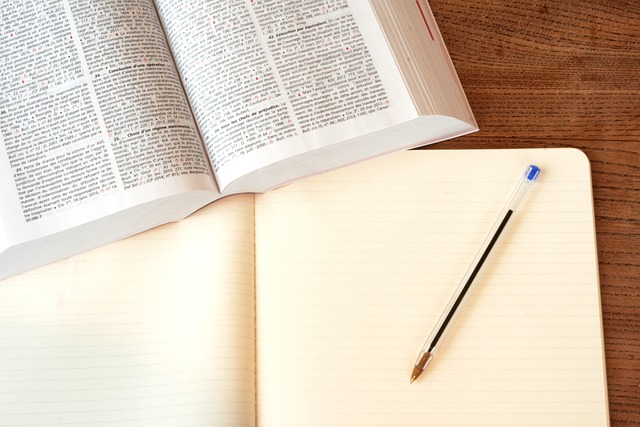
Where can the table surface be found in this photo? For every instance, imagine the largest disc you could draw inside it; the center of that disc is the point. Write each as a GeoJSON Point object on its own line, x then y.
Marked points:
{"type": "Point", "coordinates": [567, 74]}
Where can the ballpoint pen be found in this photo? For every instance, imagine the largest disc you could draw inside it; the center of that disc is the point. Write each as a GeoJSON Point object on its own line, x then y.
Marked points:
{"type": "Point", "coordinates": [434, 340]}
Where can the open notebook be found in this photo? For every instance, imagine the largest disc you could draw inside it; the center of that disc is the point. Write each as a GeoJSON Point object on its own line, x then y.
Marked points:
{"type": "Point", "coordinates": [306, 306]}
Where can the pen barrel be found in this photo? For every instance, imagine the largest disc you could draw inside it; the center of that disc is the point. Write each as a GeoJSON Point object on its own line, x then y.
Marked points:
{"type": "Point", "coordinates": [453, 307]}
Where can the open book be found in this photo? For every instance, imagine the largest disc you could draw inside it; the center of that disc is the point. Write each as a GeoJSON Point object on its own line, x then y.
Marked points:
{"type": "Point", "coordinates": [117, 116]}
{"type": "Point", "coordinates": [307, 305]}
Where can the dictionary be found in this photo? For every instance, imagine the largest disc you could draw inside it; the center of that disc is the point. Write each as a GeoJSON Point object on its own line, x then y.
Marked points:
{"type": "Point", "coordinates": [119, 116]}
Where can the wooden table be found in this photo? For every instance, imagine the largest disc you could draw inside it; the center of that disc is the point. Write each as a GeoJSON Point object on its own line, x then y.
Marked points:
{"type": "Point", "coordinates": [567, 73]}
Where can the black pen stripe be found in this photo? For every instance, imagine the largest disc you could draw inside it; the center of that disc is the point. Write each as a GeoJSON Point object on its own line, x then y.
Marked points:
{"type": "Point", "coordinates": [473, 275]}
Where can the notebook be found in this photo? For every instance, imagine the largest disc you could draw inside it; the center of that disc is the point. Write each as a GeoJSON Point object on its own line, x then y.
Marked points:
{"type": "Point", "coordinates": [307, 306]}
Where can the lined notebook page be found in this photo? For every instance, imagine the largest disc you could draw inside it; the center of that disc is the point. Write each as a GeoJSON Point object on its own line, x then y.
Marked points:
{"type": "Point", "coordinates": [155, 330]}
{"type": "Point", "coordinates": [355, 267]}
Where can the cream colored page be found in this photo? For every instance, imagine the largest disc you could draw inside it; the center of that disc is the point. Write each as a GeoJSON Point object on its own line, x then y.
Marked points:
{"type": "Point", "coordinates": [355, 267]}
{"type": "Point", "coordinates": [155, 330]}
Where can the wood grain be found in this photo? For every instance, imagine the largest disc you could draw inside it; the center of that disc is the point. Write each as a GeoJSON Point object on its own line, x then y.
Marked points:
{"type": "Point", "coordinates": [567, 73]}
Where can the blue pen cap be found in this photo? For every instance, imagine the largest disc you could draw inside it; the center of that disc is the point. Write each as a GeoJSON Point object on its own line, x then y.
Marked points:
{"type": "Point", "coordinates": [532, 173]}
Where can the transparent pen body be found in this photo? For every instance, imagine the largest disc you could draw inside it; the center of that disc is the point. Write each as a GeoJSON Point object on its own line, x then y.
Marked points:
{"type": "Point", "coordinates": [452, 309]}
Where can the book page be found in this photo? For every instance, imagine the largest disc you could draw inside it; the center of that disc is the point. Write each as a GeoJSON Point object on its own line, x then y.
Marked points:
{"type": "Point", "coordinates": [355, 267]}
{"type": "Point", "coordinates": [269, 80]}
{"type": "Point", "coordinates": [94, 119]}
{"type": "Point", "coordinates": [155, 330]}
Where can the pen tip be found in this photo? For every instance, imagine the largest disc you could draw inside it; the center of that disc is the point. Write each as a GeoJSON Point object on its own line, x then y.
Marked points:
{"type": "Point", "coordinates": [415, 374]}
{"type": "Point", "coordinates": [420, 366]}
